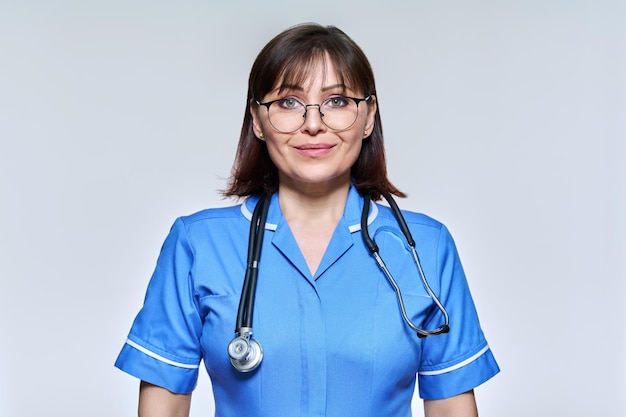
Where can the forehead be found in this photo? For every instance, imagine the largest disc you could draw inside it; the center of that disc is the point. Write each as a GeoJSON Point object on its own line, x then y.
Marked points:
{"type": "Point", "coordinates": [319, 72]}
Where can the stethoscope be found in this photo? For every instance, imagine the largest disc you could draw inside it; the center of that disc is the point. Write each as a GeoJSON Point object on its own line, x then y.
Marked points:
{"type": "Point", "coordinates": [245, 352]}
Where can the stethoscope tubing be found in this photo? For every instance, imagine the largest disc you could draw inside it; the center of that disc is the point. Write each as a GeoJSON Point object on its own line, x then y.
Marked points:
{"type": "Point", "coordinates": [374, 250]}
{"type": "Point", "coordinates": [245, 352]}
{"type": "Point", "coordinates": [255, 243]}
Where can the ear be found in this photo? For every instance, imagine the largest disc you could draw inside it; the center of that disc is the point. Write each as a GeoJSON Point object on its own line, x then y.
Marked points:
{"type": "Point", "coordinates": [257, 126]}
{"type": "Point", "coordinates": [372, 108]}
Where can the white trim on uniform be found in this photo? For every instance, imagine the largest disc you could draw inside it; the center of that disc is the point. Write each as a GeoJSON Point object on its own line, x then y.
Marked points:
{"type": "Point", "coordinates": [159, 357]}
{"type": "Point", "coordinates": [370, 219]}
{"type": "Point", "coordinates": [248, 215]}
{"type": "Point", "coordinates": [458, 365]}
{"type": "Point", "coordinates": [352, 228]}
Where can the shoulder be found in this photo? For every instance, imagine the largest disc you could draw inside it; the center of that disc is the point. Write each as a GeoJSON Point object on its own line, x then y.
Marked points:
{"type": "Point", "coordinates": [412, 218]}
{"type": "Point", "coordinates": [211, 221]}
{"type": "Point", "coordinates": [209, 215]}
{"type": "Point", "coordinates": [425, 230]}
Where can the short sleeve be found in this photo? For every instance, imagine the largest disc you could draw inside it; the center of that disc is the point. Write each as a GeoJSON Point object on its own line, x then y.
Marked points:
{"type": "Point", "coordinates": [163, 346]}
{"type": "Point", "coordinates": [460, 360]}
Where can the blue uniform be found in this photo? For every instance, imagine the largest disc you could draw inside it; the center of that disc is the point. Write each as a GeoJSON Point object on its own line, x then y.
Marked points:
{"type": "Point", "coordinates": [334, 343]}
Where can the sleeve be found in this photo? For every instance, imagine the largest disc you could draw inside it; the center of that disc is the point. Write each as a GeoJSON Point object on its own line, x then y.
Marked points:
{"type": "Point", "coordinates": [163, 346]}
{"type": "Point", "coordinates": [460, 360]}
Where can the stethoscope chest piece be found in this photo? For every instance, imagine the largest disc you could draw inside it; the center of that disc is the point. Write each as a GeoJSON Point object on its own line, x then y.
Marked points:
{"type": "Point", "coordinates": [245, 353]}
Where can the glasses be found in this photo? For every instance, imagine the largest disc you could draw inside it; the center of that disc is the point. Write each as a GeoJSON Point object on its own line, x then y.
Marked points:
{"type": "Point", "coordinates": [288, 114]}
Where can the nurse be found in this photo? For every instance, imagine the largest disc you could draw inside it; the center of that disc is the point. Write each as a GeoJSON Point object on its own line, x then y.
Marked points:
{"type": "Point", "coordinates": [334, 341]}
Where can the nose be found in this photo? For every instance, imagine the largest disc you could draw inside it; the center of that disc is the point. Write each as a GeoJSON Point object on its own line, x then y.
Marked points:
{"type": "Point", "coordinates": [313, 124]}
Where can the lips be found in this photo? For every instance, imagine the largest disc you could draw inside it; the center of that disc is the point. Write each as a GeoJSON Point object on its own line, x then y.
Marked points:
{"type": "Point", "coordinates": [314, 149]}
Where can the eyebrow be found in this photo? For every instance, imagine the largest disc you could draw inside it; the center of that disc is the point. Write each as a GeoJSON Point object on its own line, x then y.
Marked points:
{"type": "Point", "coordinates": [288, 87]}
{"type": "Point", "coordinates": [332, 87]}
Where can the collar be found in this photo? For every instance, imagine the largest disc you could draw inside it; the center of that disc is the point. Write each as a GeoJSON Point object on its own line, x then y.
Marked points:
{"type": "Point", "coordinates": [352, 211]}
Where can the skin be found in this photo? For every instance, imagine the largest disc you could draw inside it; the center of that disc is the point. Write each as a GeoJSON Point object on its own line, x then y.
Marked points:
{"type": "Point", "coordinates": [314, 175]}
{"type": "Point", "coordinates": [462, 405]}
{"type": "Point", "coordinates": [155, 401]}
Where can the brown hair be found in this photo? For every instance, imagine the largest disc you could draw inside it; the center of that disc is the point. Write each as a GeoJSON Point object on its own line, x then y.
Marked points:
{"type": "Point", "coordinates": [288, 58]}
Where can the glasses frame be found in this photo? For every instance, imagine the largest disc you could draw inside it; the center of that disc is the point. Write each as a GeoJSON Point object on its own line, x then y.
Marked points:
{"type": "Point", "coordinates": [356, 100]}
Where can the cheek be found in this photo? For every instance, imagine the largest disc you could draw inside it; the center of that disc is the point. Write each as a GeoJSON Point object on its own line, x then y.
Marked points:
{"type": "Point", "coordinates": [353, 149]}
{"type": "Point", "coordinates": [274, 148]}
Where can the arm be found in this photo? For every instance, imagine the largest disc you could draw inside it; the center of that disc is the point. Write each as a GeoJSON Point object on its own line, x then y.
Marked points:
{"type": "Point", "coordinates": [155, 401]}
{"type": "Point", "coordinates": [462, 405]}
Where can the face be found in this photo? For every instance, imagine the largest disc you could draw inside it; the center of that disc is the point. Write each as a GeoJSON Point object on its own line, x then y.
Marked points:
{"type": "Point", "coordinates": [315, 154]}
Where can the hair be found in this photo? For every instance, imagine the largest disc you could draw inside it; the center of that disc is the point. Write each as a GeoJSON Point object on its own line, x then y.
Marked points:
{"type": "Point", "coordinates": [290, 58]}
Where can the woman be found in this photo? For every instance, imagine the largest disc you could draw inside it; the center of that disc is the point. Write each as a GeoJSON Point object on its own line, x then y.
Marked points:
{"type": "Point", "coordinates": [334, 342]}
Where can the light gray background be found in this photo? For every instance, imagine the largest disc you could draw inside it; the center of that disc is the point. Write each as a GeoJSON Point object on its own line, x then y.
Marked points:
{"type": "Point", "coordinates": [503, 119]}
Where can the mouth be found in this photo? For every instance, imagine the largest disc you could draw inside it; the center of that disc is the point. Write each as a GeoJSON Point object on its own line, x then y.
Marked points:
{"type": "Point", "coordinates": [314, 149]}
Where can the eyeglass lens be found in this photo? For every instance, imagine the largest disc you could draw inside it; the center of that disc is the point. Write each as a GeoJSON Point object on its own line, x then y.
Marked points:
{"type": "Point", "coordinates": [337, 112]}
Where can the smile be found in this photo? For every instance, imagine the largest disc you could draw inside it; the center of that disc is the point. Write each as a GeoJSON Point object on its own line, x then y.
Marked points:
{"type": "Point", "coordinates": [314, 150]}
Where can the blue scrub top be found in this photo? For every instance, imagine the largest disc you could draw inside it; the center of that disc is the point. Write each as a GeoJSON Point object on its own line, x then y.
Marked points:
{"type": "Point", "coordinates": [334, 343]}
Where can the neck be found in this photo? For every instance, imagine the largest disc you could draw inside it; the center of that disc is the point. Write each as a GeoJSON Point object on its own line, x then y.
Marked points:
{"type": "Point", "coordinates": [312, 203]}
{"type": "Point", "coordinates": [313, 212]}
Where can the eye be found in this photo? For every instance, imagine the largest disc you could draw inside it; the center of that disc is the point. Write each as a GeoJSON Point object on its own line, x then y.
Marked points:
{"type": "Point", "coordinates": [289, 103]}
{"type": "Point", "coordinates": [336, 102]}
